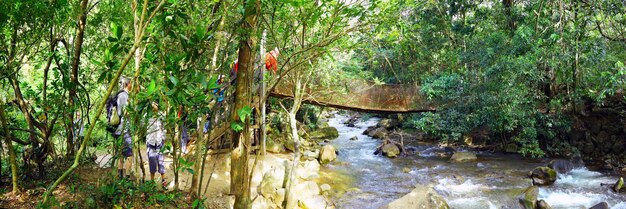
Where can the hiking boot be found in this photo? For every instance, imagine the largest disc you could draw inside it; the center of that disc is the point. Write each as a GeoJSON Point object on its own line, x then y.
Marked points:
{"type": "Point", "coordinates": [164, 184]}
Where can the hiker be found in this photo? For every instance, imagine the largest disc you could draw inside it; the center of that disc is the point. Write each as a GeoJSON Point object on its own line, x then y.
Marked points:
{"type": "Point", "coordinates": [118, 125]}
{"type": "Point", "coordinates": [79, 130]}
{"type": "Point", "coordinates": [270, 64]}
{"type": "Point", "coordinates": [155, 140]}
{"type": "Point", "coordinates": [270, 60]}
{"type": "Point", "coordinates": [184, 139]}
{"type": "Point", "coordinates": [233, 73]}
{"type": "Point", "coordinates": [218, 95]}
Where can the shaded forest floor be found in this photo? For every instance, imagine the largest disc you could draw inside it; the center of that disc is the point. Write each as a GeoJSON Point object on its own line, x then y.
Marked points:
{"type": "Point", "coordinates": [90, 187]}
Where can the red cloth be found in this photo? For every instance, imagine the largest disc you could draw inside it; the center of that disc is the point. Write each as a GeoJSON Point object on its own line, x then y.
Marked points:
{"type": "Point", "coordinates": [270, 62]}
{"type": "Point", "coordinates": [236, 67]}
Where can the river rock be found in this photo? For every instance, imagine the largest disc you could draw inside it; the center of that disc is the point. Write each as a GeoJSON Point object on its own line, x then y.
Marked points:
{"type": "Point", "coordinates": [420, 197]}
{"type": "Point", "coordinates": [309, 155]}
{"type": "Point", "coordinates": [542, 204]}
{"type": "Point", "coordinates": [391, 150]}
{"type": "Point", "coordinates": [619, 185]}
{"type": "Point", "coordinates": [463, 157]}
{"type": "Point", "coordinates": [388, 123]}
{"type": "Point", "coordinates": [354, 138]}
{"type": "Point", "coordinates": [271, 182]}
{"type": "Point", "coordinates": [324, 133]}
{"type": "Point", "coordinates": [327, 154]}
{"type": "Point", "coordinates": [528, 199]}
{"type": "Point", "coordinates": [309, 170]}
{"type": "Point", "coordinates": [352, 120]}
{"type": "Point", "coordinates": [368, 130]}
{"type": "Point", "coordinates": [543, 176]}
{"type": "Point", "coordinates": [602, 205]}
{"type": "Point", "coordinates": [314, 202]}
{"type": "Point", "coordinates": [306, 189]}
{"type": "Point", "coordinates": [378, 133]}
{"type": "Point", "coordinates": [325, 187]}
{"type": "Point", "coordinates": [312, 165]}
{"type": "Point", "coordinates": [276, 148]}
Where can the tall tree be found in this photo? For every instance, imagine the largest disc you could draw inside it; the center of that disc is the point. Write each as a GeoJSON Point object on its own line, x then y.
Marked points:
{"type": "Point", "coordinates": [240, 180]}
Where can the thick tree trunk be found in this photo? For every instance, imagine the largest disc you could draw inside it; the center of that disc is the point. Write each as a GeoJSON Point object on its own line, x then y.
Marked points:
{"type": "Point", "coordinates": [240, 181]}
{"type": "Point", "coordinates": [10, 150]}
{"type": "Point", "coordinates": [78, 45]}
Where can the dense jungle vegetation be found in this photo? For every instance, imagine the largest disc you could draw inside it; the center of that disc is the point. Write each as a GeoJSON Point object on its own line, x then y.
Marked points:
{"type": "Point", "coordinates": [516, 70]}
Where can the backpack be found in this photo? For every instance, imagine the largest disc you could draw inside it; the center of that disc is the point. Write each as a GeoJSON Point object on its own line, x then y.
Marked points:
{"type": "Point", "coordinates": [113, 118]}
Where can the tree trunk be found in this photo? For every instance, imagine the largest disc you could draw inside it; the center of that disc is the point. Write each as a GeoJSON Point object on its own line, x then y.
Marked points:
{"type": "Point", "coordinates": [290, 201]}
{"type": "Point", "coordinates": [10, 150]}
{"type": "Point", "coordinates": [240, 184]}
{"type": "Point", "coordinates": [78, 45]}
{"type": "Point", "coordinates": [200, 147]}
{"type": "Point", "coordinates": [262, 93]}
{"type": "Point", "coordinates": [140, 130]}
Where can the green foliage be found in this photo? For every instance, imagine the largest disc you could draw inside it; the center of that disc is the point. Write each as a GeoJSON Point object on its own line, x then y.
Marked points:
{"type": "Point", "coordinates": [130, 194]}
{"type": "Point", "coordinates": [243, 114]}
{"type": "Point", "coordinates": [185, 165]}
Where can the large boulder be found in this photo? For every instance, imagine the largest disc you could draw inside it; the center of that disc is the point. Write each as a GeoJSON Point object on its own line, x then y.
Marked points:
{"type": "Point", "coordinates": [420, 197]}
{"type": "Point", "coordinates": [528, 199]}
{"type": "Point", "coordinates": [543, 176]}
{"type": "Point", "coordinates": [306, 189]}
{"type": "Point", "coordinates": [368, 130]}
{"type": "Point", "coordinates": [390, 150]}
{"type": "Point", "coordinates": [270, 184]}
{"type": "Point", "coordinates": [327, 154]}
{"type": "Point", "coordinates": [378, 133]}
{"type": "Point", "coordinates": [309, 155]}
{"type": "Point", "coordinates": [602, 205]}
{"type": "Point", "coordinates": [388, 123]}
{"type": "Point", "coordinates": [324, 133]}
{"type": "Point", "coordinates": [309, 170]}
{"type": "Point", "coordinates": [290, 145]}
{"type": "Point", "coordinates": [463, 157]}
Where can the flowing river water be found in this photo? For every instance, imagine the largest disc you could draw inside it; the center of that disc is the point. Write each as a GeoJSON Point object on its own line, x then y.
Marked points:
{"type": "Point", "coordinates": [363, 180]}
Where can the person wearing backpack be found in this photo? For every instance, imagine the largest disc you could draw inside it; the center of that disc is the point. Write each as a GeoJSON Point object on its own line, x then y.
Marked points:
{"type": "Point", "coordinates": [155, 140]}
{"type": "Point", "coordinates": [118, 126]}
{"type": "Point", "coordinates": [184, 139]}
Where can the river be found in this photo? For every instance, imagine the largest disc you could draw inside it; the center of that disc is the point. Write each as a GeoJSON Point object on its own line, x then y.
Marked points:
{"type": "Point", "coordinates": [363, 180]}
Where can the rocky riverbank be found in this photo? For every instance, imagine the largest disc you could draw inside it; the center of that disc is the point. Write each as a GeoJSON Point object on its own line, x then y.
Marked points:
{"type": "Point", "coordinates": [394, 141]}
